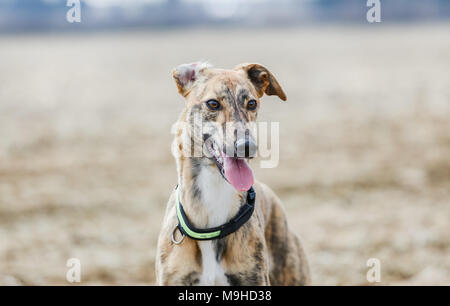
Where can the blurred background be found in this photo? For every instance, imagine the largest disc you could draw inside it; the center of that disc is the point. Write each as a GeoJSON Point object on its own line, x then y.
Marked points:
{"type": "Point", "coordinates": [86, 110]}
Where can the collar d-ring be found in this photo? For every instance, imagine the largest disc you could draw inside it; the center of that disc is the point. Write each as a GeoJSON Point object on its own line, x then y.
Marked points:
{"type": "Point", "coordinates": [173, 236]}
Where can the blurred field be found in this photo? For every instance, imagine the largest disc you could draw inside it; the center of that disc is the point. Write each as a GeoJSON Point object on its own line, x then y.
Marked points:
{"type": "Point", "coordinates": [86, 168]}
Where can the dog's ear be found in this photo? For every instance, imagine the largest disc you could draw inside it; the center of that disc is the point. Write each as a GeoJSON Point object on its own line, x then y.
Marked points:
{"type": "Point", "coordinates": [185, 75]}
{"type": "Point", "coordinates": [262, 79]}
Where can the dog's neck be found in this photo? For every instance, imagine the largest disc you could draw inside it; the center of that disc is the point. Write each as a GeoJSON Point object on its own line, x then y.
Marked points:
{"type": "Point", "coordinates": [207, 198]}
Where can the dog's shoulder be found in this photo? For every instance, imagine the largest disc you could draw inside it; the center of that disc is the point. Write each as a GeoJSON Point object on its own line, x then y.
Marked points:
{"type": "Point", "coordinates": [267, 193]}
{"type": "Point", "coordinates": [289, 265]}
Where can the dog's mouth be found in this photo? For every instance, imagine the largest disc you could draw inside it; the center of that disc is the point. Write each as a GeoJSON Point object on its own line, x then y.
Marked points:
{"type": "Point", "coordinates": [234, 169]}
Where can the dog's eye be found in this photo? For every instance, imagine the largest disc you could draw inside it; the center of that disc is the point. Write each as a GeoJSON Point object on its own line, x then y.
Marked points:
{"type": "Point", "coordinates": [252, 104]}
{"type": "Point", "coordinates": [213, 104]}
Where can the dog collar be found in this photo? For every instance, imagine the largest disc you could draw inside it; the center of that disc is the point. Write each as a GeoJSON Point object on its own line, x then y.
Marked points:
{"type": "Point", "coordinates": [244, 214]}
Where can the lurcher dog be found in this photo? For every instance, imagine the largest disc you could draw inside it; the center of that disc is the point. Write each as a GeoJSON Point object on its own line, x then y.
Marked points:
{"type": "Point", "coordinates": [214, 231]}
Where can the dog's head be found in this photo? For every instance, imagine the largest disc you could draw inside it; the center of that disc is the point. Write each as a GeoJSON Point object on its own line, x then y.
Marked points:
{"type": "Point", "coordinates": [221, 110]}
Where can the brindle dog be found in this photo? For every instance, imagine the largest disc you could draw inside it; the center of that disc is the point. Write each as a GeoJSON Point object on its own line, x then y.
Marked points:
{"type": "Point", "coordinates": [213, 185]}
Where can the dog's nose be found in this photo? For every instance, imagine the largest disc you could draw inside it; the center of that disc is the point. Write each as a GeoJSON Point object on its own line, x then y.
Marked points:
{"type": "Point", "coordinates": [246, 148]}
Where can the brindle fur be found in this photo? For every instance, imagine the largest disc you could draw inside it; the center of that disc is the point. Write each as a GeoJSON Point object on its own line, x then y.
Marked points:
{"type": "Point", "coordinates": [263, 251]}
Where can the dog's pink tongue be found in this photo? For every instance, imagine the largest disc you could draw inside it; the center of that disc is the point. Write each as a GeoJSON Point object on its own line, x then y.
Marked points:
{"type": "Point", "coordinates": [238, 173]}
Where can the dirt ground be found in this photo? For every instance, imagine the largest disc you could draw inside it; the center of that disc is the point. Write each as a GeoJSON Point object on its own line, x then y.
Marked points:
{"type": "Point", "coordinates": [364, 171]}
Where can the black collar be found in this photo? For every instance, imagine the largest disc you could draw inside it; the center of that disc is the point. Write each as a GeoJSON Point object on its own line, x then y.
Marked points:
{"type": "Point", "coordinates": [244, 214]}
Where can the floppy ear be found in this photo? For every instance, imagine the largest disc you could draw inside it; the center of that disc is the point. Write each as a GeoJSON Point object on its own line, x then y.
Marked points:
{"type": "Point", "coordinates": [263, 80]}
{"type": "Point", "coordinates": [185, 75]}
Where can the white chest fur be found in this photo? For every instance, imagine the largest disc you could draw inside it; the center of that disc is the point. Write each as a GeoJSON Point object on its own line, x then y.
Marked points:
{"type": "Point", "coordinates": [218, 197]}
{"type": "Point", "coordinates": [212, 271]}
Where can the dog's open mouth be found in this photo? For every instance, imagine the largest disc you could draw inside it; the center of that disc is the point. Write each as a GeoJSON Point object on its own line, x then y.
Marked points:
{"type": "Point", "coordinates": [234, 169]}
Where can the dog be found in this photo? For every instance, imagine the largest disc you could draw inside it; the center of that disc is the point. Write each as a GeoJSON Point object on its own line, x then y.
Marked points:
{"type": "Point", "coordinates": [221, 227]}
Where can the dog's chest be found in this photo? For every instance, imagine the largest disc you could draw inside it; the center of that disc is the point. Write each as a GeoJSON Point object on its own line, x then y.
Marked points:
{"type": "Point", "coordinates": [218, 197]}
{"type": "Point", "coordinates": [212, 271]}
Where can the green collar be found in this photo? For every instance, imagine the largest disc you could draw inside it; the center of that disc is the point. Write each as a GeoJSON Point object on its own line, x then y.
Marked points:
{"type": "Point", "coordinates": [244, 214]}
